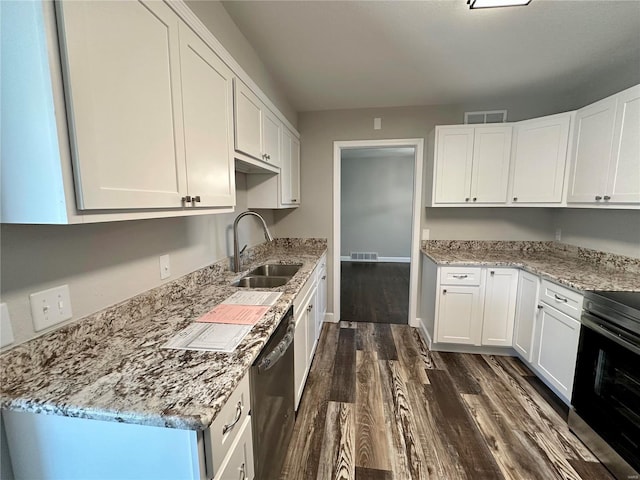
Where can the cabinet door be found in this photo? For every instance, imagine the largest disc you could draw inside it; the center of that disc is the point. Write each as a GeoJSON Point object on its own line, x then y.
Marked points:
{"type": "Point", "coordinates": [593, 139]}
{"type": "Point", "coordinates": [271, 138]}
{"type": "Point", "coordinates": [121, 66]}
{"type": "Point", "coordinates": [311, 312]}
{"type": "Point", "coordinates": [501, 290]}
{"type": "Point", "coordinates": [290, 170]}
{"type": "Point", "coordinates": [490, 171]}
{"type": "Point", "coordinates": [239, 463]}
{"type": "Point", "coordinates": [248, 121]}
{"type": "Point", "coordinates": [207, 98]}
{"type": "Point", "coordinates": [526, 315]}
{"type": "Point", "coordinates": [454, 155]}
{"type": "Point", "coordinates": [557, 349]}
{"type": "Point", "coordinates": [540, 158]}
{"type": "Point", "coordinates": [300, 353]}
{"type": "Point", "coordinates": [322, 299]}
{"type": "Point", "coordinates": [623, 179]}
{"type": "Point", "coordinates": [459, 315]}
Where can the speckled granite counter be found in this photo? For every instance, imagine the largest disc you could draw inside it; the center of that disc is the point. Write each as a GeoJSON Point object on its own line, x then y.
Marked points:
{"type": "Point", "coordinates": [578, 268]}
{"type": "Point", "coordinates": [110, 365]}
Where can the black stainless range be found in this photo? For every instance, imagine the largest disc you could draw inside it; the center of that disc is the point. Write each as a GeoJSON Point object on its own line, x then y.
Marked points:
{"type": "Point", "coordinates": [606, 392]}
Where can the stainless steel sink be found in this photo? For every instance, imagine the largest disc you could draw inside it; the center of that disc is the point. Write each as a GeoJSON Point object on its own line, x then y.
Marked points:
{"type": "Point", "coordinates": [276, 270]}
{"type": "Point", "coordinates": [261, 281]}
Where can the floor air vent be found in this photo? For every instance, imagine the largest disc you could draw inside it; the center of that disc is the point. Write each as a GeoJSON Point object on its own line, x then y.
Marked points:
{"type": "Point", "coordinates": [364, 256]}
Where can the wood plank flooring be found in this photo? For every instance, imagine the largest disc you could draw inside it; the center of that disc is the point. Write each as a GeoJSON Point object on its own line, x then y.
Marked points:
{"type": "Point", "coordinates": [374, 292]}
{"type": "Point", "coordinates": [379, 405]}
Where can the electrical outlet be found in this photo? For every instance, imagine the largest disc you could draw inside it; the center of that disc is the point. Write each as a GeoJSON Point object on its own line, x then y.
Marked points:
{"type": "Point", "coordinates": [6, 331]}
{"type": "Point", "coordinates": [377, 123]}
{"type": "Point", "coordinates": [165, 267]}
{"type": "Point", "coordinates": [425, 234]}
{"type": "Point", "coordinates": [558, 234]}
{"type": "Point", "coordinates": [50, 307]}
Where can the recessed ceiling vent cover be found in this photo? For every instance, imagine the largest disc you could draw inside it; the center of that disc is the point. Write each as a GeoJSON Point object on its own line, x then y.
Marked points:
{"type": "Point", "coordinates": [488, 116]}
{"type": "Point", "coordinates": [364, 256]}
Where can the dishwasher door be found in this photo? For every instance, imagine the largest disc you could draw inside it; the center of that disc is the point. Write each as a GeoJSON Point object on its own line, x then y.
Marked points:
{"type": "Point", "coordinates": [272, 401]}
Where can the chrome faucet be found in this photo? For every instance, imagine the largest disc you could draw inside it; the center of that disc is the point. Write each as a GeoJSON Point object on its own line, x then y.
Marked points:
{"type": "Point", "coordinates": [236, 250]}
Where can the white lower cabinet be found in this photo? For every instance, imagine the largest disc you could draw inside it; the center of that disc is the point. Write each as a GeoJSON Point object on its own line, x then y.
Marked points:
{"type": "Point", "coordinates": [557, 339]}
{"type": "Point", "coordinates": [501, 290]}
{"type": "Point", "coordinates": [526, 315]}
{"type": "Point", "coordinates": [301, 361]}
{"type": "Point", "coordinates": [54, 446]}
{"type": "Point", "coordinates": [476, 306]}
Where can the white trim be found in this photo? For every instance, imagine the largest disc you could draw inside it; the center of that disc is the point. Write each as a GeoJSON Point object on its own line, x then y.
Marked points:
{"type": "Point", "coordinates": [347, 258]}
{"type": "Point", "coordinates": [422, 329]}
{"type": "Point", "coordinates": [328, 317]}
{"type": "Point", "coordinates": [192, 20]}
{"type": "Point", "coordinates": [418, 144]}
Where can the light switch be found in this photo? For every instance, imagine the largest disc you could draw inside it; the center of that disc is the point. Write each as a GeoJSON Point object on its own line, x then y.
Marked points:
{"type": "Point", "coordinates": [165, 267]}
{"type": "Point", "coordinates": [6, 331]}
{"type": "Point", "coordinates": [377, 123]}
{"type": "Point", "coordinates": [425, 234]}
{"type": "Point", "coordinates": [558, 234]}
{"type": "Point", "coordinates": [50, 307]}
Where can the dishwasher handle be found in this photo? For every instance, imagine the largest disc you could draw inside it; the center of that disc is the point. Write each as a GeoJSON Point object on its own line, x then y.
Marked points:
{"type": "Point", "coordinates": [279, 350]}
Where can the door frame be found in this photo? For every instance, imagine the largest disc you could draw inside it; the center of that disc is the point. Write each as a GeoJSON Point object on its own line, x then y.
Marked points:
{"type": "Point", "coordinates": [414, 277]}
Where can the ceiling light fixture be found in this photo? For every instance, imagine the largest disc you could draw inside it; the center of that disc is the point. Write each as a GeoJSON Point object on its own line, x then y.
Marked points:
{"type": "Point", "coordinates": [496, 3]}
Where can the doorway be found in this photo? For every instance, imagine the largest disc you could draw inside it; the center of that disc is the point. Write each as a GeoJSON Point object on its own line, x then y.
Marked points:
{"type": "Point", "coordinates": [376, 241]}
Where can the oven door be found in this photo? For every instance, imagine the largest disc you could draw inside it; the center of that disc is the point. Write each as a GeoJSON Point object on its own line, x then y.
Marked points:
{"type": "Point", "coordinates": [606, 392]}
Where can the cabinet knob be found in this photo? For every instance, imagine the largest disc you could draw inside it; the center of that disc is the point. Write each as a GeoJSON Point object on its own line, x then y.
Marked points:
{"type": "Point", "coordinates": [294, 200]}
{"type": "Point", "coordinates": [196, 199]}
{"type": "Point", "coordinates": [324, 277]}
{"type": "Point", "coordinates": [475, 198]}
{"type": "Point", "coordinates": [539, 307]}
{"type": "Point", "coordinates": [268, 157]}
{"type": "Point", "coordinates": [515, 199]}
{"type": "Point", "coordinates": [309, 308]}
{"type": "Point", "coordinates": [598, 197]}
{"type": "Point", "coordinates": [444, 291]}
{"type": "Point", "coordinates": [607, 197]}
{"type": "Point", "coordinates": [186, 199]}
{"type": "Point", "coordinates": [492, 272]}
{"type": "Point", "coordinates": [466, 199]}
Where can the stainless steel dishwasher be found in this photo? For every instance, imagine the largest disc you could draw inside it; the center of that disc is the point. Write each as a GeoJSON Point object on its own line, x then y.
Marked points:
{"type": "Point", "coordinates": [272, 401]}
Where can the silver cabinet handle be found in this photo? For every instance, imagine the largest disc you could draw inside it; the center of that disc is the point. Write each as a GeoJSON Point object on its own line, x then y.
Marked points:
{"type": "Point", "coordinates": [460, 277]}
{"type": "Point", "coordinates": [294, 200]}
{"type": "Point", "coordinates": [598, 197]}
{"type": "Point", "coordinates": [559, 298]}
{"type": "Point", "coordinates": [230, 426]}
{"type": "Point", "coordinates": [540, 307]}
{"type": "Point", "coordinates": [243, 473]}
{"type": "Point", "coordinates": [607, 197]}
{"type": "Point", "coordinates": [324, 277]}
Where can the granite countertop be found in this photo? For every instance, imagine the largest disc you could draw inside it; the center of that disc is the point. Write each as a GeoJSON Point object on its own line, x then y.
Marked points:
{"type": "Point", "coordinates": [110, 365]}
{"type": "Point", "coordinates": [578, 268]}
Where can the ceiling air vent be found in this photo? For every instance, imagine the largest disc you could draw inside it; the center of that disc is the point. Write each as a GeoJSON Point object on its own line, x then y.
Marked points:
{"type": "Point", "coordinates": [488, 116]}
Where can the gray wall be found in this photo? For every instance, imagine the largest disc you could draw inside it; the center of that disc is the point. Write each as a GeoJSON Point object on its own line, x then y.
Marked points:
{"type": "Point", "coordinates": [213, 14]}
{"type": "Point", "coordinates": [376, 205]}
{"type": "Point", "coordinates": [106, 263]}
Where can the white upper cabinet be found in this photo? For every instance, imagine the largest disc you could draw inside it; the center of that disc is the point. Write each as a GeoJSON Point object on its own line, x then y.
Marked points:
{"type": "Point", "coordinates": [258, 131]}
{"type": "Point", "coordinates": [471, 164]}
{"type": "Point", "coordinates": [623, 178]}
{"type": "Point", "coordinates": [207, 98]}
{"type": "Point", "coordinates": [121, 65]}
{"type": "Point", "coordinates": [290, 174]}
{"type": "Point", "coordinates": [539, 159]}
{"type": "Point", "coordinates": [605, 167]}
{"type": "Point", "coordinates": [453, 164]}
{"type": "Point", "coordinates": [490, 172]}
{"type": "Point", "coordinates": [248, 121]}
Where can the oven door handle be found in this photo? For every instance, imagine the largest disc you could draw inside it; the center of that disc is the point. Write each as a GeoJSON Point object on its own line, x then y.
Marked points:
{"type": "Point", "coordinates": [592, 322]}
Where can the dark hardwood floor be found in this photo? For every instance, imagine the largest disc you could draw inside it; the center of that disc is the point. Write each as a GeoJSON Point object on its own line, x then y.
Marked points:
{"type": "Point", "coordinates": [379, 405]}
{"type": "Point", "coordinates": [374, 292]}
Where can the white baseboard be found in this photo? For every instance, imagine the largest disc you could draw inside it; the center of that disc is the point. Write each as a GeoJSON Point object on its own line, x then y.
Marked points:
{"type": "Point", "coordinates": [347, 258]}
{"type": "Point", "coordinates": [425, 333]}
{"type": "Point", "coordinates": [328, 317]}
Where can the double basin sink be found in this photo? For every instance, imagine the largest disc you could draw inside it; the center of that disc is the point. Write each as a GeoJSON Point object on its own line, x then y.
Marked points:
{"type": "Point", "coordinates": [268, 276]}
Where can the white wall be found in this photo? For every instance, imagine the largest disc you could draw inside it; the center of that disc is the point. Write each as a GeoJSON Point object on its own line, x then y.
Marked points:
{"type": "Point", "coordinates": [377, 204]}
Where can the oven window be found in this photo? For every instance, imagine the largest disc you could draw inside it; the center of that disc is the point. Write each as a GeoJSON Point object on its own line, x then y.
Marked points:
{"type": "Point", "coordinates": [607, 393]}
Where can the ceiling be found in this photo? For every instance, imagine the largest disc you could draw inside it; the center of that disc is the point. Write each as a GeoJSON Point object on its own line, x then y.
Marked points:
{"type": "Point", "coordinates": [356, 54]}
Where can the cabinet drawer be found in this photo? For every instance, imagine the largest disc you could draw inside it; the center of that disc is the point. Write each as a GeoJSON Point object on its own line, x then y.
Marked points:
{"type": "Point", "coordinates": [239, 462]}
{"type": "Point", "coordinates": [561, 298]}
{"type": "Point", "coordinates": [460, 275]}
{"type": "Point", "coordinates": [226, 427]}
